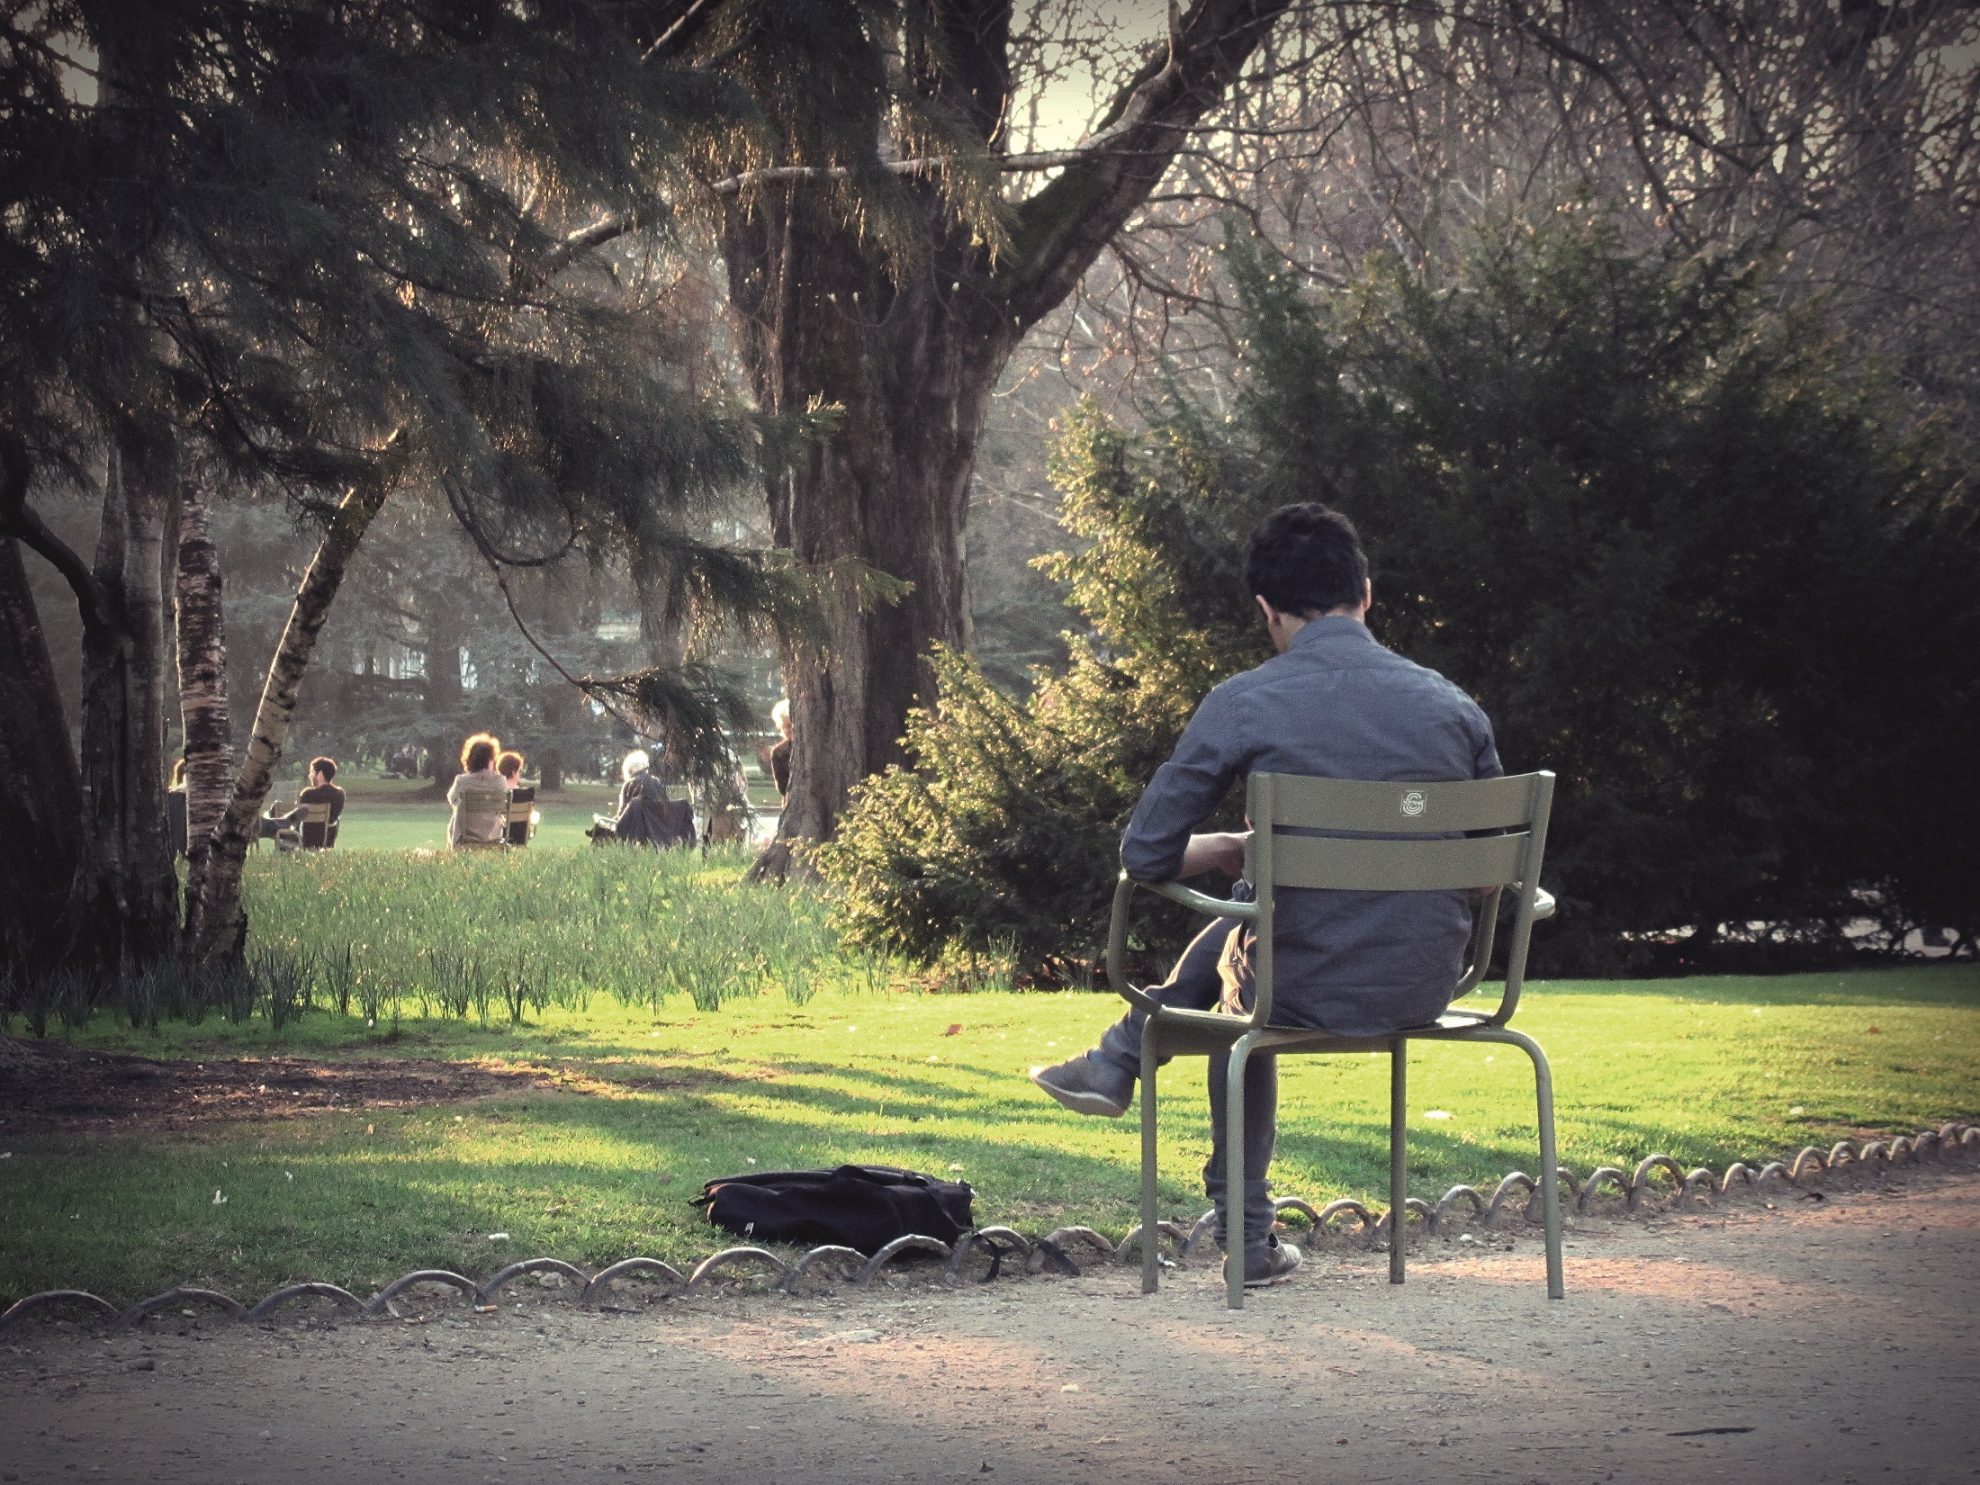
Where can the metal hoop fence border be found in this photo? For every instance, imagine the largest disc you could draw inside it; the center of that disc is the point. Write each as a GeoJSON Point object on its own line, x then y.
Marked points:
{"type": "Point", "coordinates": [1634, 1191]}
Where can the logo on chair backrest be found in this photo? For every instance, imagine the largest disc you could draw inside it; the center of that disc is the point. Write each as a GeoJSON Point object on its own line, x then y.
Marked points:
{"type": "Point", "coordinates": [1414, 802]}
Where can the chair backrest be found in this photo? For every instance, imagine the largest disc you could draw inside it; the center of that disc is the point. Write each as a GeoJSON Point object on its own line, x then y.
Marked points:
{"type": "Point", "coordinates": [1483, 835]}
{"type": "Point", "coordinates": [316, 831]}
{"type": "Point", "coordinates": [522, 816]}
{"type": "Point", "coordinates": [484, 820]}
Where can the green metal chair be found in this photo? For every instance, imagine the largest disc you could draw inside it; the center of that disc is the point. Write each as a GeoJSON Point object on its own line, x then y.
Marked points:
{"type": "Point", "coordinates": [1386, 837]}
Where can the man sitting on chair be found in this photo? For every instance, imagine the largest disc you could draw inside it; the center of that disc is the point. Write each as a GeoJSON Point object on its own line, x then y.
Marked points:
{"type": "Point", "coordinates": [321, 790]}
{"type": "Point", "coordinates": [1333, 703]}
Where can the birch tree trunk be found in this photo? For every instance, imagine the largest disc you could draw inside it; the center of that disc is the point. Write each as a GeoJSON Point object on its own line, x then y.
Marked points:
{"type": "Point", "coordinates": [218, 926]}
{"type": "Point", "coordinates": [203, 715]}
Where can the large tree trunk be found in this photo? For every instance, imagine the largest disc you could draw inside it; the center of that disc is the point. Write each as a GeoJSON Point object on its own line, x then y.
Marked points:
{"type": "Point", "coordinates": [126, 892]}
{"type": "Point", "coordinates": [912, 366]}
{"type": "Point", "coordinates": [221, 924]}
{"type": "Point", "coordinates": [42, 803]}
{"type": "Point", "coordinates": [910, 344]}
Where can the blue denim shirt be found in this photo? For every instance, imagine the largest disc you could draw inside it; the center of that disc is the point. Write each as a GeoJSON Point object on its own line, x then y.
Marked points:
{"type": "Point", "coordinates": [1338, 705]}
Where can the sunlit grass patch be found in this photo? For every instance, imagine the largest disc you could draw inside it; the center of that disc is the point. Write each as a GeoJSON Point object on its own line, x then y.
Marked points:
{"type": "Point", "coordinates": [654, 1100]}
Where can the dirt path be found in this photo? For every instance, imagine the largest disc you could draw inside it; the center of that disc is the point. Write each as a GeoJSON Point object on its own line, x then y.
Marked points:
{"type": "Point", "coordinates": [1817, 1342]}
{"type": "Point", "coordinates": [60, 1089]}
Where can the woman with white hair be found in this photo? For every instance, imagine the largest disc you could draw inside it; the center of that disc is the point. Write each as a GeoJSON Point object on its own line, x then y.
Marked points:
{"type": "Point", "coordinates": [646, 816]}
{"type": "Point", "coordinates": [780, 755]}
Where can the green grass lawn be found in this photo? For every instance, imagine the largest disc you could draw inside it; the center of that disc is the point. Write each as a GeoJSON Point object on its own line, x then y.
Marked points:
{"type": "Point", "coordinates": [659, 1097]}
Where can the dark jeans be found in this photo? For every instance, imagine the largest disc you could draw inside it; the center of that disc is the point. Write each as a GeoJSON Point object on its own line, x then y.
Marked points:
{"type": "Point", "coordinates": [1193, 984]}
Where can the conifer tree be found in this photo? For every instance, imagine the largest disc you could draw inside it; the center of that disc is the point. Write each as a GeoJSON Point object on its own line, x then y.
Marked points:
{"type": "Point", "coordinates": [878, 263]}
{"type": "Point", "coordinates": [1678, 555]}
{"type": "Point", "coordinates": [314, 249]}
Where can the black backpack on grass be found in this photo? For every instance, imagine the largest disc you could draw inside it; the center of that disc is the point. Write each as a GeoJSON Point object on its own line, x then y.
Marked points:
{"type": "Point", "coordinates": [856, 1206]}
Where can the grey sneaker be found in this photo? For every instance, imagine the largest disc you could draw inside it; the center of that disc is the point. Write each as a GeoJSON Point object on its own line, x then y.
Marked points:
{"type": "Point", "coordinates": [1271, 1264]}
{"type": "Point", "coordinates": [1088, 1084]}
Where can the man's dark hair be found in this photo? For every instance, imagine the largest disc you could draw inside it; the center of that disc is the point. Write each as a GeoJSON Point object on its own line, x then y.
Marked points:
{"type": "Point", "coordinates": [325, 766]}
{"type": "Point", "coordinates": [1306, 559]}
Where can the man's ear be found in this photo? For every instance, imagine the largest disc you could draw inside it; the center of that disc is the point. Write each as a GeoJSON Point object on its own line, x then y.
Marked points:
{"type": "Point", "coordinates": [1271, 614]}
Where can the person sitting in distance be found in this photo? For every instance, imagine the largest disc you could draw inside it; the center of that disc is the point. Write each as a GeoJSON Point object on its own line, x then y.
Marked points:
{"type": "Point", "coordinates": [479, 796]}
{"type": "Point", "coordinates": [321, 790]}
{"type": "Point", "coordinates": [1331, 702]}
{"type": "Point", "coordinates": [510, 767]}
{"type": "Point", "coordinates": [645, 816]}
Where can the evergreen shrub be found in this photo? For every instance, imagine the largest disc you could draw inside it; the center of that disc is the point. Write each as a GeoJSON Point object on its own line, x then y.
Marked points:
{"type": "Point", "coordinates": [1677, 546]}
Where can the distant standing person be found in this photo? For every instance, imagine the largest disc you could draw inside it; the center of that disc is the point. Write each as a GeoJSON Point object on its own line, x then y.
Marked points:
{"type": "Point", "coordinates": [780, 755]}
{"type": "Point", "coordinates": [479, 795]}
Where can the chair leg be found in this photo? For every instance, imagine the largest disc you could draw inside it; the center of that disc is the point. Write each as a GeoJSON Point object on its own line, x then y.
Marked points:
{"type": "Point", "coordinates": [1398, 1155]}
{"type": "Point", "coordinates": [1550, 1196]}
{"type": "Point", "coordinates": [1234, 1239]}
{"type": "Point", "coordinates": [1150, 1242]}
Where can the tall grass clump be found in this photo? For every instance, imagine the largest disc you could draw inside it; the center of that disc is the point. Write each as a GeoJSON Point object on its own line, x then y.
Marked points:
{"type": "Point", "coordinates": [502, 934]}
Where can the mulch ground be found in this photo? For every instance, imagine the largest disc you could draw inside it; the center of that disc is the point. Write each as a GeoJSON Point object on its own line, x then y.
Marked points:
{"type": "Point", "coordinates": [59, 1089]}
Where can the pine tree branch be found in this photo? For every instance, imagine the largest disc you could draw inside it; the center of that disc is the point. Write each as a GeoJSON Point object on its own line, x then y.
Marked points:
{"type": "Point", "coordinates": [19, 520]}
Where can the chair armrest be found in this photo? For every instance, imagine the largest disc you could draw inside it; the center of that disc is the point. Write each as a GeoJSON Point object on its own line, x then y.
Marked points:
{"type": "Point", "coordinates": [1117, 927]}
{"type": "Point", "coordinates": [1201, 902]}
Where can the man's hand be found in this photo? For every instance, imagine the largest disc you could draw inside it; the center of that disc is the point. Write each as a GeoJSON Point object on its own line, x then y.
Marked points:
{"type": "Point", "coordinates": [1223, 851]}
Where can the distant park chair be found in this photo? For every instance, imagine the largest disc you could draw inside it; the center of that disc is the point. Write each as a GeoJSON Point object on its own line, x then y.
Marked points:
{"type": "Point", "coordinates": [484, 822]}
{"type": "Point", "coordinates": [315, 830]}
{"type": "Point", "coordinates": [1352, 835]}
{"type": "Point", "coordinates": [309, 828]}
{"type": "Point", "coordinates": [522, 816]}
